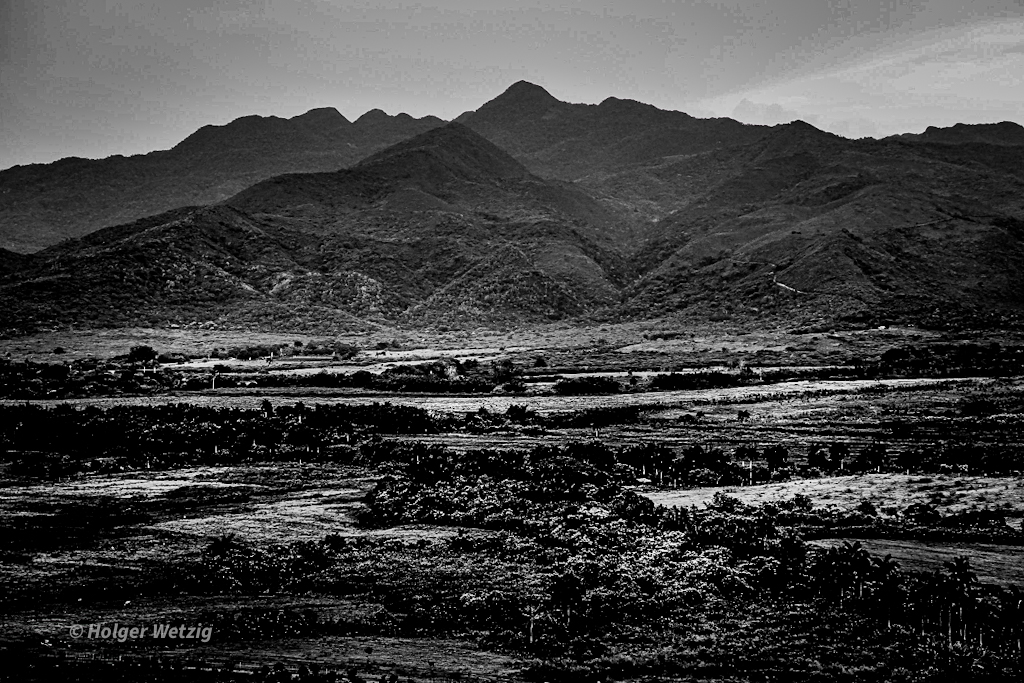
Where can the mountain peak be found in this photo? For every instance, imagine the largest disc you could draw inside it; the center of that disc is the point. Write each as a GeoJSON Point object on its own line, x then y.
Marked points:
{"type": "Point", "coordinates": [800, 129]}
{"type": "Point", "coordinates": [796, 137]}
{"type": "Point", "coordinates": [521, 100]}
{"type": "Point", "coordinates": [800, 124]}
{"type": "Point", "coordinates": [452, 149]}
{"type": "Point", "coordinates": [321, 116]}
{"type": "Point", "coordinates": [526, 90]}
{"type": "Point", "coordinates": [373, 116]}
{"type": "Point", "coordinates": [619, 103]}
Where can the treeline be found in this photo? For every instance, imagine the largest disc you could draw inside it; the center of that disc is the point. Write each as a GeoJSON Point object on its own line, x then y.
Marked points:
{"type": "Point", "coordinates": [937, 361]}
{"type": "Point", "coordinates": [450, 377]}
{"type": "Point", "coordinates": [137, 373]}
{"type": "Point", "coordinates": [64, 440]}
{"type": "Point", "coordinates": [60, 441]}
{"type": "Point", "coordinates": [140, 375]}
{"type": "Point", "coordinates": [950, 608]}
{"type": "Point", "coordinates": [586, 529]}
{"type": "Point", "coordinates": [518, 481]}
{"type": "Point", "coordinates": [89, 377]}
{"type": "Point", "coordinates": [951, 360]}
{"type": "Point", "coordinates": [323, 347]}
{"type": "Point", "coordinates": [144, 353]}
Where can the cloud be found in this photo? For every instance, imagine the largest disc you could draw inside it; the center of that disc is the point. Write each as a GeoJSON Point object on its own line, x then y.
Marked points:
{"type": "Point", "coordinates": [853, 128]}
{"type": "Point", "coordinates": [972, 74]}
{"type": "Point", "coordinates": [767, 114]}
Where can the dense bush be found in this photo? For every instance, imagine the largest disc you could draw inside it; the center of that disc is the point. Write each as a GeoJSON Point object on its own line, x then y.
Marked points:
{"type": "Point", "coordinates": [577, 386]}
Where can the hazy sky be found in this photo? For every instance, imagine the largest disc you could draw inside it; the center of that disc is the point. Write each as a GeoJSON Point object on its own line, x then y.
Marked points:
{"type": "Point", "coordinates": [98, 77]}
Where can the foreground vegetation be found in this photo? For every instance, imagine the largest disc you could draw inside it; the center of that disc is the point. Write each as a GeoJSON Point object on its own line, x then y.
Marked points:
{"type": "Point", "coordinates": [551, 554]}
{"type": "Point", "coordinates": [561, 537]}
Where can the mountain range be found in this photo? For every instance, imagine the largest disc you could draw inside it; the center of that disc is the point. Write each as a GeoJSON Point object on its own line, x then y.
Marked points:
{"type": "Point", "coordinates": [532, 209]}
{"type": "Point", "coordinates": [42, 204]}
{"type": "Point", "coordinates": [445, 227]}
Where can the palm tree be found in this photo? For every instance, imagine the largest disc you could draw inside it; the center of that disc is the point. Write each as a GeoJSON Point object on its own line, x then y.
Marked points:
{"type": "Point", "coordinates": [222, 545]}
{"type": "Point", "coordinates": [886, 573]}
{"type": "Point", "coordinates": [962, 582]}
{"type": "Point", "coordinates": [1013, 616]}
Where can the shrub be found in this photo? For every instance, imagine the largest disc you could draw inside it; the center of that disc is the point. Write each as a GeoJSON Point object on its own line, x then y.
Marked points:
{"type": "Point", "coordinates": [578, 386]}
{"type": "Point", "coordinates": [142, 354]}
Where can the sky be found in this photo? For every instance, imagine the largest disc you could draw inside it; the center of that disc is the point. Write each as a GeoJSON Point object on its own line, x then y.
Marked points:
{"type": "Point", "coordinates": [93, 78]}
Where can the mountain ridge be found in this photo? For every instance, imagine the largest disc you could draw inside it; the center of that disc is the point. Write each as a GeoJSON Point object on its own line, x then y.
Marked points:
{"type": "Point", "coordinates": [41, 204]}
{"type": "Point", "coordinates": [341, 250]}
{"type": "Point", "coordinates": [532, 209]}
{"type": "Point", "coordinates": [1002, 133]}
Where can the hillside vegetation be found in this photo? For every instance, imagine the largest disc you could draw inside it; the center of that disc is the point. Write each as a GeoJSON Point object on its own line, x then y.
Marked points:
{"type": "Point", "coordinates": [531, 210]}
{"type": "Point", "coordinates": [42, 204]}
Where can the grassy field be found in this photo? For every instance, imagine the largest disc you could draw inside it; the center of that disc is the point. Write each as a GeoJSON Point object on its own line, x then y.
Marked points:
{"type": "Point", "coordinates": [993, 563]}
{"type": "Point", "coordinates": [659, 343]}
{"type": "Point", "coordinates": [886, 491]}
{"type": "Point", "coordinates": [276, 504]}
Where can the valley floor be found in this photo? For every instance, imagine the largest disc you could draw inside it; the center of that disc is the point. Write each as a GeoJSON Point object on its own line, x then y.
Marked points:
{"type": "Point", "coordinates": [126, 546]}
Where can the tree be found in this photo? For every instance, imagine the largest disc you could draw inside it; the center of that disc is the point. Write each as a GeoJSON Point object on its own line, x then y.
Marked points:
{"type": "Point", "coordinates": [504, 371]}
{"type": "Point", "coordinates": [142, 354]}
{"type": "Point", "coordinates": [888, 581]}
{"type": "Point", "coordinates": [745, 452]}
{"type": "Point", "coordinates": [776, 456]}
{"type": "Point", "coordinates": [872, 456]}
{"type": "Point", "coordinates": [838, 454]}
{"type": "Point", "coordinates": [817, 458]}
{"type": "Point", "coordinates": [866, 507]}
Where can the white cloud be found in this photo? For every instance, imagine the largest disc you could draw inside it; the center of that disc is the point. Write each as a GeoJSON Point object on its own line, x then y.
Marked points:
{"type": "Point", "coordinates": [768, 114]}
{"type": "Point", "coordinates": [971, 75]}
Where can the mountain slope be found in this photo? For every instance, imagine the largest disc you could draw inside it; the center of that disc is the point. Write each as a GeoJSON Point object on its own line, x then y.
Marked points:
{"type": "Point", "coordinates": [42, 204]}
{"type": "Point", "coordinates": [807, 224]}
{"type": "Point", "coordinates": [445, 228]}
{"type": "Point", "coordinates": [11, 261]}
{"type": "Point", "coordinates": [644, 213]}
{"type": "Point", "coordinates": [1004, 133]}
{"type": "Point", "coordinates": [619, 151]}
{"type": "Point", "coordinates": [576, 141]}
